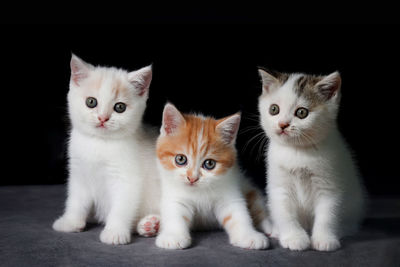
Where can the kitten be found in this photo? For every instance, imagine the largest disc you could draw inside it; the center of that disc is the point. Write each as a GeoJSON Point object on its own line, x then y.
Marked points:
{"type": "Point", "coordinates": [313, 183]}
{"type": "Point", "coordinates": [110, 152]}
{"type": "Point", "coordinates": [202, 186]}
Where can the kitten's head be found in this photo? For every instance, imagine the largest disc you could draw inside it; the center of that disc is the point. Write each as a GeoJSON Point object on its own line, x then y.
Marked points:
{"type": "Point", "coordinates": [299, 109]}
{"type": "Point", "coordinates": [107, 102]}
{"type": "Point", "coordinates": [195, 150]}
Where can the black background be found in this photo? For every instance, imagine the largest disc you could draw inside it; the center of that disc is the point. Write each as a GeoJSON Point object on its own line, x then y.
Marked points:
{"type": "Point", "coordinates": [210, 69]}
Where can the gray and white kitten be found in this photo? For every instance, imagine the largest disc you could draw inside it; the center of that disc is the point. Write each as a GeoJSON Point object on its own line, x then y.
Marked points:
{"type": "Point", "coordinates": [315, 196]}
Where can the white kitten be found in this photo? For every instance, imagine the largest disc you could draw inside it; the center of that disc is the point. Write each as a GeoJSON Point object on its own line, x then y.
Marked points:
{"type": "Point", "coordinates": [313, 184]}
{"type": "Point", "coordinates": [110, 152]}
{"type": "Point", "coordinates": [202, 186]}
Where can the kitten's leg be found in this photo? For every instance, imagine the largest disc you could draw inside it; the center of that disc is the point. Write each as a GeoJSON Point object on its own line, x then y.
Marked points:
{"type": "Point", "coordinates": [233, 215]}
{"type": "Point", "coordinates": [125, 202]}
{"type": "Point", "coordinates": [284, 215]}
{"type": "Point", "coordinates": [77, 208]}
{"type": "Point", "coordinates": [149, 225]}
{"type": "Point", "coordinates": [175, 227]}
{"type": "Point", "coordinates": [324, 237]}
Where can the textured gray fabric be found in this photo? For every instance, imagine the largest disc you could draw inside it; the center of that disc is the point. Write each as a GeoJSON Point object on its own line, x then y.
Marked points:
{"type": "Point", "coordinates": [27, 239]}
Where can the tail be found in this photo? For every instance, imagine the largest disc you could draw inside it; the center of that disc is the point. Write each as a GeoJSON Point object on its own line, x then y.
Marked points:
{"type": "Point", "coordinates": [256, 205]}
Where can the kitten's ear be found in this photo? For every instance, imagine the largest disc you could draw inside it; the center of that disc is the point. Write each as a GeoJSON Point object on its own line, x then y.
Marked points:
{"type": "Point", "coordinates": [268, 81]}
{"type": "Point", "coordinates": [329, 85]}
{"type": "Point", "coordinates": [172, 120]}
{"type": "Point", "coordinates": [79, 69]}
{"type": "Point", "coordinates": [228, 128]}
{"type": "Point", "coordinates": [141, 79]}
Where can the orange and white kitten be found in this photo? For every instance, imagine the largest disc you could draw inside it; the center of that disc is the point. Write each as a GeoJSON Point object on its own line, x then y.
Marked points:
{"type": "Point", "coordinates": [202, 185]}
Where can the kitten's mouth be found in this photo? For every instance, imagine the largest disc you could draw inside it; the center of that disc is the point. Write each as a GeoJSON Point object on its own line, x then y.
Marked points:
{"type": "Point", "coordinates": [101, 125]}
{"type": "Point", "coordinates": [283, 133]}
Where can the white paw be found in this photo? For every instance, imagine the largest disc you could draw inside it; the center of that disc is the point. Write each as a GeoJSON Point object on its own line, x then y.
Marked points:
{"type": "Point", "coordinates": [298, 240]}
{"type": "Point", "coordinates": [173, 241]}
{"type": "Point", "coordinates": [323, 242]}
{"type": "Point", "coordinates": [252, 240]}
{"type": "Point", "coordinates": [64, 224]}
{"type": "Point", "coordinates": [115, 236]}
{"type": "Point", "coordinates": [149, 226]}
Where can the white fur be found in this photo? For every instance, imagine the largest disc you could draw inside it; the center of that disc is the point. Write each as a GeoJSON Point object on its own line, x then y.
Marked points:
{"type": "Point", "coordinates": [111, 170]}
{"type": "Point", "coordinates": [205, 206]}
{"type": "Point", "coordinates": [206, 203]}
{"type": "Point", "coordinates": [314, 192]}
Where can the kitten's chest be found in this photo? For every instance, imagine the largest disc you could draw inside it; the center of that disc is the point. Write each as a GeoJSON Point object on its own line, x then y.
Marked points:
{"type": "Point", "coordinates": [299, 163]}
{"type": "Point", "coordinates": [90, 149]}
{"type": "Point", "coordinates": [301, 173]}
{"type": "Point", "coordinates": [101, 158]}
{"type": "Point", "coordinates": [204, 216]}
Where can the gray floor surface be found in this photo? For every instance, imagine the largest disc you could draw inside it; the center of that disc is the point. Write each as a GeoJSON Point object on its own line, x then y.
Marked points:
{"type": "Point", "coordinates": [27, 239]}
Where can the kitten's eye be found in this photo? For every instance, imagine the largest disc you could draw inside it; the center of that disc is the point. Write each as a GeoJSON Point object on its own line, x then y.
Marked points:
{"type": "Point", "coordinates": [180, 159]}
{"type": "Point", "coordinates": [91, 102]}
{"type": "Point", "coordinates": [301, 113]}
{"type": "Point", "coordinates": [120, 107]}
{"type": "Point", "coordinates": [209, 164]}
{"type": "Point", "coordinates": [274, 109]}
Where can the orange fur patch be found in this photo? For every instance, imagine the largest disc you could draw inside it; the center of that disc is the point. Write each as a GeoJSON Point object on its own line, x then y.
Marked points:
{"type": "Point", "coordinates": [226, 219]}
{"type": "Point", "coordinates": [186, 141]}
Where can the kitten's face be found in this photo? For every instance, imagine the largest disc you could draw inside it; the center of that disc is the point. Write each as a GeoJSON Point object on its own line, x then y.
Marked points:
{"type": "Point", "coordinates": [299, 109]}
{"type": "Point", "coordinates": [107, 102]}
{"type": "Point", "coordinates": [196, 150]}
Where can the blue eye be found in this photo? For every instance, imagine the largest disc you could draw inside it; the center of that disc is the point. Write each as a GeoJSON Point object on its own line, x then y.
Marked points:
{"type": "Point", "coordinates": [209, 164]}
{"type": "Point", "coordinates": [180, 160]}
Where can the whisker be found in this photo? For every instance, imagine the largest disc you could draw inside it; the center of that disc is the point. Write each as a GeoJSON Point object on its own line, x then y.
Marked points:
{"type": "Point", "coordinates": [250, 140]}
{"type": "Point", "coordinates": [258, 141]}
{"type": "Point", "coordinates": [250, 128]}
{"type": "Point", "coordinates": [304, 135]}
{"type": "Point", "coordinates": [262, 149]}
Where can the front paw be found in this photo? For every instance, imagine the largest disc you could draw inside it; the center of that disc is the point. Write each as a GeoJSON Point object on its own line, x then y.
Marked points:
{"type": "Point", "coordinates": [64, 224]}
{"type": "Point", "coordinates": [298, 240]}
{"type": "Point", "coordinates": [324, 242]}
{"type": "Point", "coordinates": [173, 241]}
{"type": "Point", "coordinates": [115, 236]}
{"type": "Point", "coordinates": [252, 240]}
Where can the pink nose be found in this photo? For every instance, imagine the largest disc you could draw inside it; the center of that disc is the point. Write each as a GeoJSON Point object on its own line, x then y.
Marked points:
{"type": "Point", "coordinates": [283, 125]}
{"type": "Point", "coordinates": [103, 119]}
{"type": "Point", "coordinates": [192, 180]}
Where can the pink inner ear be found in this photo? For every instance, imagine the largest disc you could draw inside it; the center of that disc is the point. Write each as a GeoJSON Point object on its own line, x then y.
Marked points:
{"type": "Point", "coordinates": [141, 80]}
{"type": "Point", "coordinates": [77, 73]}
{"type": "Point", "coordinates": [172, 119]}
{"type": "Point", "coordinates": [142, 86]}
{"type": "Point", "coordinates": [78, 77]}
{"type": "Point", "coordinates": [168, 125]}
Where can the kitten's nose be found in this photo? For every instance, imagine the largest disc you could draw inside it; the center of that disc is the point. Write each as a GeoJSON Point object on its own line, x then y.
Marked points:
{"type": "Point", "coordinates": [103, 119]}
{"type": "Point", "coordinates": [283, 125]}
{"type": "Point", "coordinates": [192, 180]}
